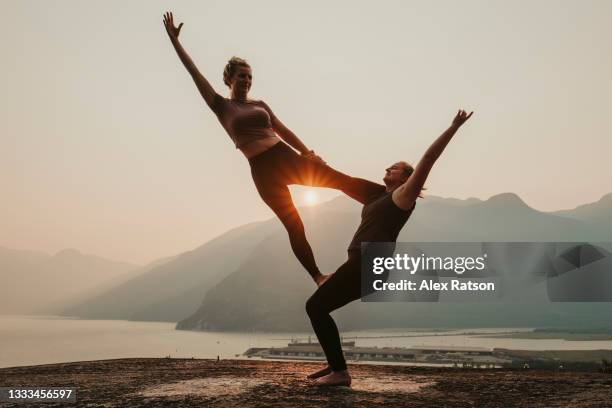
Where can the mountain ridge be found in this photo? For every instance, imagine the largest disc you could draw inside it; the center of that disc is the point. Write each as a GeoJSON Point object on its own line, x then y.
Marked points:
{"type": "Point", "coordinates": [175, 288]}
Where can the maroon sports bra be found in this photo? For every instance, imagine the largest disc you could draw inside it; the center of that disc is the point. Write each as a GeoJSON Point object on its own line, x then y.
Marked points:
{"type": "Point", "coordinates": [245, 121]}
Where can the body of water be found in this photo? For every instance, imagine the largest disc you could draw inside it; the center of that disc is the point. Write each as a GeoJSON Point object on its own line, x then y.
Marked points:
{"type": "Point", "coordinates": [33, 340]}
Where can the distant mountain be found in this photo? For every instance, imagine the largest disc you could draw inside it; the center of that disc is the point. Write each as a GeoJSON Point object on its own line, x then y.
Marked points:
{"type": "Point", "coordinates": [34, 282]}
{"type": "Point", "coordinates": [503, 217]}
{"type": "Point", "coordinates": [269, 289]}
{"type": "Point", "coordinates": [452, 201]}
{"type": "Point", "coordinates": [248, 278]}
{"type": "Point", "coordinates": [173, 289]}
{"type": "Point", "coordinates": [593, 211]}
{"type": "Point", "coordinates": [595, 215]}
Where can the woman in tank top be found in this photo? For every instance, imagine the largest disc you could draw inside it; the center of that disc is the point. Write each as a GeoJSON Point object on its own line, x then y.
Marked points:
{"type": "Point", "coordinates": [265, 141]}
{"type": "Point", "coordinates": [382, 218]}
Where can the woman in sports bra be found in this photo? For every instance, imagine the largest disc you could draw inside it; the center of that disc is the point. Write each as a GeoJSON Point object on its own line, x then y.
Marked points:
{"type": "Point", "coordinates": [265, 141]}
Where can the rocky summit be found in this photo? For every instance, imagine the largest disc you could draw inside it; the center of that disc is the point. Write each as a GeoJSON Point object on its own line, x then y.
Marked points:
{"type": "Point", "coordinates": [250, 383]}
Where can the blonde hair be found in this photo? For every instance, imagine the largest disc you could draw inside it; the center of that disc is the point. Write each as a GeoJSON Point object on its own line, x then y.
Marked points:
{"type": "Point", "coordinates": [230, 68]}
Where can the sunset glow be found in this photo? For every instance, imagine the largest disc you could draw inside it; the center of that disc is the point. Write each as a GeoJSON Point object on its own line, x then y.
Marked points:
{"type": "Point", "coordinates": [310, 197]}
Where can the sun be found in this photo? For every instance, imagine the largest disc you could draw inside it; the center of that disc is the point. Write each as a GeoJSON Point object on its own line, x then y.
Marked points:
{"type": "Point", "coordinates": [311, 198]}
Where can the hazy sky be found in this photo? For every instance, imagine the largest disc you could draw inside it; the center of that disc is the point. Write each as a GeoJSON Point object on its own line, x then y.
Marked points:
{"type": "Point", "coordinates": [106, 145]}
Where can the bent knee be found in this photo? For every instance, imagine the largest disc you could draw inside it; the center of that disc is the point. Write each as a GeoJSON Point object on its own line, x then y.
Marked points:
{"type": "Point", "coordinates": [313, 306]}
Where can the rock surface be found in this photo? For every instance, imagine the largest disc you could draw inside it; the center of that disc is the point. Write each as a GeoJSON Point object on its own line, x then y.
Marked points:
{"type": "Point", "coordinates": [257, 383]}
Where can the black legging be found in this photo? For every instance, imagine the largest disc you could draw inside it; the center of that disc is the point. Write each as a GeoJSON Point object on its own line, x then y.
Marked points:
{"type": "Point", "coordinates": [280, 166]}
{"type": "Point", "coordinates": [341, 288]}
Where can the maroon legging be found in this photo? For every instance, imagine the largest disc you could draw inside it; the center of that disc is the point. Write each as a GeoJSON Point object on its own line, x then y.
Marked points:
{"type": "Point", "coordinates": [280, 166]}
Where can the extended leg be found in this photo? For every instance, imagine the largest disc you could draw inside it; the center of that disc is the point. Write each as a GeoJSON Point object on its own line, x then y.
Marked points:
{"type": "Point", "coordinates": [313, 173]}
{"type": "Point", "coordinates": [279, 200]}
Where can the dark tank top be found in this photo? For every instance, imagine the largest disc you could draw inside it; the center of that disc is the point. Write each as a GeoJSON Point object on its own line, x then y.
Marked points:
{"type": "Point", "coordinates": [381, 221]}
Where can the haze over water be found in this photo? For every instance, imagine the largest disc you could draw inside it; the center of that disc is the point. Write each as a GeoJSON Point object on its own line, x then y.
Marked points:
{"type": "Point", "coordinates": [32, 340]}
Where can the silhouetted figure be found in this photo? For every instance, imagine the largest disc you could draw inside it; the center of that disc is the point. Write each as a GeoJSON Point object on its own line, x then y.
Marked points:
{"type": "Point", "coordinates": [265, 141]}
{"type": "Point", "coordinates": [385, 212]}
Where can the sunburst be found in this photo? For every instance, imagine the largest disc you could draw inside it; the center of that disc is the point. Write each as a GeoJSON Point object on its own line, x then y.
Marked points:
{"type": "Point", "coordinates": [311, 197]}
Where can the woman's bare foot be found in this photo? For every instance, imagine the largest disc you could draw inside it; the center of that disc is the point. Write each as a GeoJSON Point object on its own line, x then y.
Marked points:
{"type": "Point", "coordinates": [336, 378]}
{"type": "Point", "coordinates": [320, 279]}
{"type": "Point", "coordinates": [320, 373]}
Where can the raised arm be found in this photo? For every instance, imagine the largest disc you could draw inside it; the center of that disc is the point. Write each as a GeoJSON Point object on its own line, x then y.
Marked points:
{"type": "Point", "coordinates": [206, 90]}
{"type": "Point", "coordinates": [288, 136]}
{"type": "Point", "coordinates": [406, 194]}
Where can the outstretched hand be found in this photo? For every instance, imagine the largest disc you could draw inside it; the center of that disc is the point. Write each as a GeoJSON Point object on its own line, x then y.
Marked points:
{"type": "Point", "coordinates": [172, 31]}
{"type": "Point", "coordinates": [461, 118]}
